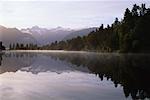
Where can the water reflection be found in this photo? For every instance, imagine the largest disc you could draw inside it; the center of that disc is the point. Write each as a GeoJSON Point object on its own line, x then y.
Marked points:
{"type": "Point", "coordinates": [130, 71]}
{"type": "Point", "coordinates": [1, 58]}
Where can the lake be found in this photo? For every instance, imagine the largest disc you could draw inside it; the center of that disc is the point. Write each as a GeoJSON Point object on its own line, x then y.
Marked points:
{"type": "Point", "coordinates": [62, 75]}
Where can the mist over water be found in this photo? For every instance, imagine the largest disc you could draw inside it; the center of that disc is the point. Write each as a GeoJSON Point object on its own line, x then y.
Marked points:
{"type": "Point", "coordinates": [61, 75]}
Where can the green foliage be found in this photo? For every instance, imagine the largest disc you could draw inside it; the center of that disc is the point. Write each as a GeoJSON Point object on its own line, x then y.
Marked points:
{"type": "Point", "coordinates": [131, 34]}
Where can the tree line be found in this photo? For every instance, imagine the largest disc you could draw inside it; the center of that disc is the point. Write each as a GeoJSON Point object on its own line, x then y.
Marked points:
{"type": "Point", "coordinates": [131, 34]}
{"type": "Point", "coordinates": [21, 46]}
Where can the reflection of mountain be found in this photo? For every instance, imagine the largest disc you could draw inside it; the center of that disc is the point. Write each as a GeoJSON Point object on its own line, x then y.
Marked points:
{"type": "Point", "coordinates": [130, 71]}
{"type": "Point", "coordinates": [35, 63]}
{"type": "Point", "coordinates": [46, 63]}
{"type": "Point", "coordinates": [12, 62]}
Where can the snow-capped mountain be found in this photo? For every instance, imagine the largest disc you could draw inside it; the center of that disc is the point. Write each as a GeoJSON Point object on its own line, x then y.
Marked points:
{"type": "Point", "coordinates": [45, 36]}
{"type": "Point", "coordinates": [38, 35]}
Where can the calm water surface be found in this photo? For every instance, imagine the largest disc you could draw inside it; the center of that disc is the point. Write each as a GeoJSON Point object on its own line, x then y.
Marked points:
{"type": "Point", "coordinates": [58, 75]}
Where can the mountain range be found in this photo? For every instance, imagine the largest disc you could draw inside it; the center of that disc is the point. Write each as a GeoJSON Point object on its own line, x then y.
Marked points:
{"type": "Point", "coordinates": [45, 36]}
{"type": "Point", "coordinates": [38, 35]}
{"type": "Point", "coordinates": [81, 32]}
{"type": "Point", "coordinates": [13, 35]}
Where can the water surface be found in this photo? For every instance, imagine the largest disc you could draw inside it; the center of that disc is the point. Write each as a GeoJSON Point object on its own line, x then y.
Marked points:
{"type": "Point", "coordinates": [56, 75]}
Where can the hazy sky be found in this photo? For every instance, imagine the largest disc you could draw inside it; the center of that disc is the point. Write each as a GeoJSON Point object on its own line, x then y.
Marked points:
{"type": "Point", "coordinates": [65, 13]}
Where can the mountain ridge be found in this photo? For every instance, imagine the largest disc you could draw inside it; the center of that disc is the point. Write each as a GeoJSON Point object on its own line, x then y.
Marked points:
{"type": "Point", "coordinates": [38, 35]}
{"type": "Point", "coordinates": [13, 35]}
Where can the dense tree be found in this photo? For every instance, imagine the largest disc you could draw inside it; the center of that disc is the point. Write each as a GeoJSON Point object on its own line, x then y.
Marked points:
{"type": "Point", "coordinates": [21, 46]}
{"type": "Point", "coordinates": [131, 34]}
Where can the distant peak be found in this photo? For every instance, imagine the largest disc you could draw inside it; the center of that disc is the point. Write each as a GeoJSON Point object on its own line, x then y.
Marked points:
{"type": "Point", "coordinates": [59, 27]}
{"type": "Point", "coordinates": [2, 26]}
{"type": "Point", "coordinates": [35, 27]}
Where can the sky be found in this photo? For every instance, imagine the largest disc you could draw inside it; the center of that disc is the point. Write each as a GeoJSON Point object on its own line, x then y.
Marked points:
{"type": "Point", "coordinates": [64, 13]}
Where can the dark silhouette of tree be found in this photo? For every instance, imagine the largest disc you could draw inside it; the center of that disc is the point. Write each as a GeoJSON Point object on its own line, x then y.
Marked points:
{"type": "Point", "coordinates": [1, 46]}
{"type": "Point", "coordinates": [129, 71]}
{"type": "Point", "coordinates": [10, 46]}
{"type": "Point", "coordinates": [131, 34]}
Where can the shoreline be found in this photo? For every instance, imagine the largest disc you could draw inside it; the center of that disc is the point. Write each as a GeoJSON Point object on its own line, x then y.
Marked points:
{"type": "Point", "coordinates": [66, 51]}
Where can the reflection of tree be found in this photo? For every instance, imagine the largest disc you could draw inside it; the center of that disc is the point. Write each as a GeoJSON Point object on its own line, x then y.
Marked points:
{"type": "Point", "coordinates": [131, 71]}
{"type": "Point", "coordinates": [1, 58]}
{"type": "Point", "coordinates": [14, 61]}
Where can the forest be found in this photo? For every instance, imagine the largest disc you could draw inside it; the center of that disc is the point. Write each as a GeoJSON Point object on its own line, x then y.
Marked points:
{"type": "Point", "coordinates": [130, 34]}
